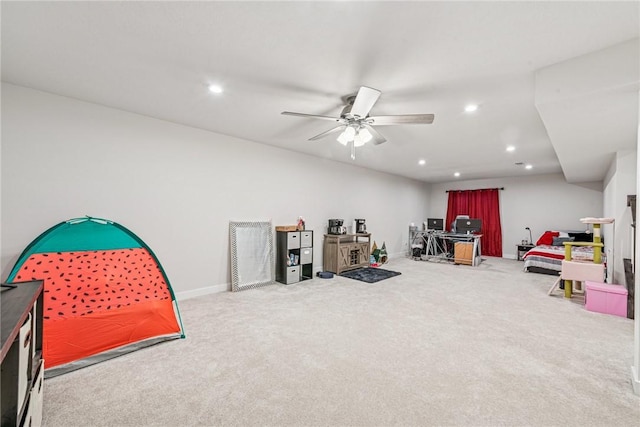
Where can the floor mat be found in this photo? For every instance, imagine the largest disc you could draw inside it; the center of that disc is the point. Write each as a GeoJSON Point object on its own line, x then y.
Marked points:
{"type": "Point", "coordinates": [369, 275]}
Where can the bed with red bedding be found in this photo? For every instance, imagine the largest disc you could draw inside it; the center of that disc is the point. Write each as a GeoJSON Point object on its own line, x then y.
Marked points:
{"type": "Point", "coordinates": [548, 254]}
{"type": "Point", "coordinates": [549, 258]}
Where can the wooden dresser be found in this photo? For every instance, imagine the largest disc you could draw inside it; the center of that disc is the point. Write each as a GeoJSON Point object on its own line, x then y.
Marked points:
{"type": "Point", "coordinates": [344, 252]}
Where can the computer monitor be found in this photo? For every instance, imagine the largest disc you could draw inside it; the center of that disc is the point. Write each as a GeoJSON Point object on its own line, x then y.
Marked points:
{"type": "Point", "coordinates": [436, 224]}
{"type": "Point", "coordinates": [453, 224]}
{"type": "Point", "coordinates": [468, 226]}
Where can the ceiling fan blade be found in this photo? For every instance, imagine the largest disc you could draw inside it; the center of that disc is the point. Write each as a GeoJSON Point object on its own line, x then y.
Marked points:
{"type": "Point", "coordinates": [405, 119]}
{"type": "Point", "coordinates": [365, 99]}
{"type": "Point", "coordinates": [311, 116]}
{"type": "Point", "coordinates": [327, 133]}
{"type": "Point", "coordinates": [377, 137]}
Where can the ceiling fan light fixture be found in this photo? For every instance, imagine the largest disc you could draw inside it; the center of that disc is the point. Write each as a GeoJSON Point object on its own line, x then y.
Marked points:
{"type": "Point", "coordinates": [342, 139]}
{"type": "Point", "coordinates": [347, 135]}
{"type": "Point", "coordinates": [358, 140]}
{"type": "Point", "coordinates": [365, 135]}
{"type": "Point", "coordinates": [350, 132]}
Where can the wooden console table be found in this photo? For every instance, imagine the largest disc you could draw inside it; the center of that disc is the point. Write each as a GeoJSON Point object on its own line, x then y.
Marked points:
{"type": "Point", "coordinates": [344, 252]}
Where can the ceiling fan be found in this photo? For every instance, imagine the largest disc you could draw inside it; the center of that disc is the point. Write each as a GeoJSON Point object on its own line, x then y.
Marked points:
{"type": "Point", "coordinates": [356, 125]}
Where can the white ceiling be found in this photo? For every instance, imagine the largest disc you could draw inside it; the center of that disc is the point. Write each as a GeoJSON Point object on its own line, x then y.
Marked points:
{"type": "Point", "coordinates": [157, 59]}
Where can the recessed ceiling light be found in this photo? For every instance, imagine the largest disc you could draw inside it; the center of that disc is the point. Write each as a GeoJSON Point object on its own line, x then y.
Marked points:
{"type": "Point", "coordinates": [528, 167]}
{"type": "Point", "coordinates": [422, 162]}
{"type": "Point", "coordinates": [471, 108]}
{"type": "Point", "coordinates": [511, 148]}
{"type": "Point", "coordinates": [456, 174]}
{"type": "Point", "coordinates": [215, 89]}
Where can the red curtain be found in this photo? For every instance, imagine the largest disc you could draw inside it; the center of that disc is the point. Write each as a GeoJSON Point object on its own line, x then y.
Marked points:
{"type": "Point", "coordinates": [485, 205]}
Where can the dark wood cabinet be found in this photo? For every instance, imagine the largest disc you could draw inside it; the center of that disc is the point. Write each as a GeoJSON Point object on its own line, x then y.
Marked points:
{"type": "Point", "coordinates": [22, 371]}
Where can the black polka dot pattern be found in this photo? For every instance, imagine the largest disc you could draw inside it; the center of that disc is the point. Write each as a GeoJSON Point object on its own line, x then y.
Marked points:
{"type": "Point", "coordinates": [82, 283]}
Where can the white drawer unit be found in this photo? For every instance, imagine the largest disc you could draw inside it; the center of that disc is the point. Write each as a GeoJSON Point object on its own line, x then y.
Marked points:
{"type": "Point", "coordinates": [34, 329]}
{"type": "Point", "coordinates": [294, 259]}
{"type": "Point", "coordinates": [306, 239]}
{"type": "Point", "coordinates": [306, 256]}
{"type": "Point", "coordinates": [33, 417]}
{"type": "Point", "coordinates": [24, 359]}
{"type": "Point", "coordinates": [293, 239]}
{"type": "Point", "coordinates": [293, 274]}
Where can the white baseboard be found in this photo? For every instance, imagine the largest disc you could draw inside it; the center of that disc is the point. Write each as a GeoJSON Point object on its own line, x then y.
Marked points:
{"type": "Point", "coordinates": [405, 255]}
{"type": "Point", "coordinates": [398, 255]}
{"type": "Point", "coordinates": [224, 287]}
{"type": "Point", "coordinates": [635, 380]}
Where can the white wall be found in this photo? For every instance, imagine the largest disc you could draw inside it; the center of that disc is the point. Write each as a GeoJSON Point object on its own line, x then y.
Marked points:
{"type": "Point", "coordinates": [541, 202]}
{"type": "Point", "coordinates": [590, 101]}
{"type": "Point", "coordinates": [620, 181]}
{"type": "Point", "coordinates": [177, 187]}
{"type": "Point", "coordinates": [635, 368]}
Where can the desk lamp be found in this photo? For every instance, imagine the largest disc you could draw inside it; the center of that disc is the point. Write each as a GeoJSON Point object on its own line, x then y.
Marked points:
{"type": "Point", "coordinates": [530, 237]}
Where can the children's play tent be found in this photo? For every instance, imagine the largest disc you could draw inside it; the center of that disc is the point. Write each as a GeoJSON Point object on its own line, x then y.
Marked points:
{"type": "Point", "coordinates": [105, 293]}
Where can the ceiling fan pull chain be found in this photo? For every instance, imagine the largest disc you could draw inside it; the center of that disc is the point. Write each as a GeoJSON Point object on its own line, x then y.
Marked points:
{"type": "Point", "coordinates": [353, 150]}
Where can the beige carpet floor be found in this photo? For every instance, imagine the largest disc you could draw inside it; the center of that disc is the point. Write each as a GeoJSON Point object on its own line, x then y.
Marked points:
{"type": "Point", "coordinates": [438, 345]}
